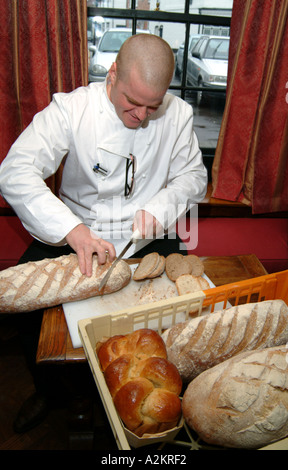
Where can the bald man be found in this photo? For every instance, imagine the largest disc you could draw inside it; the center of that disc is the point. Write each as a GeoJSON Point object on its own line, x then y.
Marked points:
{"type": "Point", "coordinates": [130, 160]}
{"type": "Point", "coordinates": [129, 153]}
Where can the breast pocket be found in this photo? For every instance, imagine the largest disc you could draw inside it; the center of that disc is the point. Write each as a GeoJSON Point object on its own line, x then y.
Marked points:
{"type": "Point", "coordinates": [110, 173]}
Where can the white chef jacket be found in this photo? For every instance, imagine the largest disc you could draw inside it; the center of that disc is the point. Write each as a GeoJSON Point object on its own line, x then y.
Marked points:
{"type": "Point", "coordinates": [82, 129]}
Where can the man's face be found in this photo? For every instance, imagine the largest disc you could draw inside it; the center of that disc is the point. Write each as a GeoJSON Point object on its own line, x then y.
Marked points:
{"type": "Point", "coordinates": [133, 100]}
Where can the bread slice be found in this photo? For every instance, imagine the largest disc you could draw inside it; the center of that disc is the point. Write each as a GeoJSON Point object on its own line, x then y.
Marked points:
{"type": "Point", "coordinates": [147, 265]}
{"type": "Point", "coordinates": [176, 265]}
{"type": "Point", "coordinates": [197, 265]}
{"type": "Point", "coordinates": [159, 268]}
{"type": "Point", "coordinates": [187, 283]}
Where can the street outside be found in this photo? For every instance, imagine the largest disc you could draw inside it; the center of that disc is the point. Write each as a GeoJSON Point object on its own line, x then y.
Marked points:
{"type": "Point", "coordinates": [207, 117]}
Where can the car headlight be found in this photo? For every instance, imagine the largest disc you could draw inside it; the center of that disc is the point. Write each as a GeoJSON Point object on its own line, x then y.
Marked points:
{"type": "Point", "coordinates": [99, 69]}
{"type": "Point", "coordinates": [217, 78]}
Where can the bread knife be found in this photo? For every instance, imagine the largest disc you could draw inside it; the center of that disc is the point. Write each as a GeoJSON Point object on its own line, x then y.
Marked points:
{"type": "Point", "coordinates": [135, 236]}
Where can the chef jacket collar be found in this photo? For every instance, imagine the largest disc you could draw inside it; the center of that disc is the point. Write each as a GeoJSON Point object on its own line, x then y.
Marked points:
{"type": "Point", "coordinates": [120, 139]}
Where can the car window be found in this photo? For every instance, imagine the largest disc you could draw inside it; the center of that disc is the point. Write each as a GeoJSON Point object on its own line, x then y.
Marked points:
{"type": "Point", "coordinates": [199, 45]}
{"type": "Point", "coordinates": [217, 49]}
{"type": "Point", "coordinates": [193, 43]}
{"type": "Point", "coordinates": [111, 42]}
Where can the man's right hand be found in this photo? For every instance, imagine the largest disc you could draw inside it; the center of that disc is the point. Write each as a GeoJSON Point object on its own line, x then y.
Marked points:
{"type": "Point", "coordinates": [84, 242]}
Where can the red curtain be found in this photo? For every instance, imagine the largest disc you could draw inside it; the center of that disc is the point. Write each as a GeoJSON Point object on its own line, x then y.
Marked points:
{"type": "Point", "coordinates": [43, 51]}
{"type": "Point", "coordinates": [251, 161]}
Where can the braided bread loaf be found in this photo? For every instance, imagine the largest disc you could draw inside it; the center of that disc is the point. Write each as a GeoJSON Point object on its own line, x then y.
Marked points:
{"type": "Point", "coordinates": [144, 385]}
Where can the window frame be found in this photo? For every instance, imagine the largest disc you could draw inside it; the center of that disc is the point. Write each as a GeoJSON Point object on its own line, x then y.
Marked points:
{"type": "Point", "coordinates": [185, 18]}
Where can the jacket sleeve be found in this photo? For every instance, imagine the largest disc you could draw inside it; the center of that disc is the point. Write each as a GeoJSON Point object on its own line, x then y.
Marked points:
{"type": "Point", "coordinates": [35, 156]}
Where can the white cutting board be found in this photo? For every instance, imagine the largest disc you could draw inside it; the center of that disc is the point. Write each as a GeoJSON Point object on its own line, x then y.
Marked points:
{"type": "Point", "coordinates": [135, 293]}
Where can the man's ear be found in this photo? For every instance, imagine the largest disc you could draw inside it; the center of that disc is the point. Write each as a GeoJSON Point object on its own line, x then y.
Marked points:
{"type": "Point", "coordinates": [113, 73]}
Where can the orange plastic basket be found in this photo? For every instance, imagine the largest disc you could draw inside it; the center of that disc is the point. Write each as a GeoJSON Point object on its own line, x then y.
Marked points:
{"type": "Point", "coordinates": [268, 287]}
{"type": "Point", "coordinates": [91, 330]}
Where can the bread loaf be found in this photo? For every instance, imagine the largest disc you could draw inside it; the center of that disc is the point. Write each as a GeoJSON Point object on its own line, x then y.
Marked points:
{"type": "Point", "coordinates": [143, 384]}
{"type": "Point", "coordinates": [50, 282]}
{"type": "Point", "coordinates": [242, 402]}
{"type": "Point", "coordinates": [202, 342]}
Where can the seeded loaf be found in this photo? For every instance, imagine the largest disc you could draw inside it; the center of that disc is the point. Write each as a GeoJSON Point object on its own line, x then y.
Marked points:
{"type": "Point", "coordinates": [242, 402]}
{"type": "Point", "coordinates": [50, 282]}
{"type": "Point", "coordinates": [202, 342]}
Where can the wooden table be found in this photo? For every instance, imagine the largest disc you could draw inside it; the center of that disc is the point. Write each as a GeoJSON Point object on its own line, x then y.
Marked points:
{"type": "Point", "coordinates": [55, 345]}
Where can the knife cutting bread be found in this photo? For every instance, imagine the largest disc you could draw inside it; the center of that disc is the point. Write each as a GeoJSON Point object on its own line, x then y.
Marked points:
{"type": "Point", "coordinates": [50, 282]}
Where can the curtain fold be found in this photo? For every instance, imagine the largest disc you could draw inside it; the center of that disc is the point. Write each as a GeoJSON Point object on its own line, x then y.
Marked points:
{"type": "Point", "coordinates": [251, 160]}
{"type": "Point", "coordinates": [43, 51]}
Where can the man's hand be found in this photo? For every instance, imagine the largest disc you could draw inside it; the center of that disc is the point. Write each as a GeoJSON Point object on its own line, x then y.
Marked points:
{"type": "Point", "coordinates": [84, 242]}
{"type": "Point", "coordinates": [148, 226]}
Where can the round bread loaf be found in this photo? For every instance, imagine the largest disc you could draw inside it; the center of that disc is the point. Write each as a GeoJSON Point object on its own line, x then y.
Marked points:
{"type": "Point", "coordinates": [144, 385]}
{"type": "Point", "coordinates": [242, 402]}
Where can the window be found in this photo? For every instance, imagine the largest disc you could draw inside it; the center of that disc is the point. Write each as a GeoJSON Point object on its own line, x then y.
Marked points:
{"type": "Point", "coordinates": [198, 32]}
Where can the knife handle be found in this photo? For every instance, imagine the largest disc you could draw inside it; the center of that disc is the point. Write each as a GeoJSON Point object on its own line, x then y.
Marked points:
{"type": "Point", "coordinates": [136, 235]}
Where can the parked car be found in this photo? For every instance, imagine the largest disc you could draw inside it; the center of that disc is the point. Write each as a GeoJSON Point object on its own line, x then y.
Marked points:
{"type": "Point", "coordinates": [207, 65]}
{"type": "Point", "coordinates": [180, 53]}
{"type": "Point", "coordinates": [106, 51]}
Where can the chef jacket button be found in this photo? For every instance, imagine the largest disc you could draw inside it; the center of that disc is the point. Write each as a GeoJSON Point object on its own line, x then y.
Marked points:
{"type": "Point", "coordinates": [143, 176]}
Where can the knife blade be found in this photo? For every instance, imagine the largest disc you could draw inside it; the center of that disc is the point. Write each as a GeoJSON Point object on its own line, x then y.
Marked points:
{"type": "Point", "coordinates": [135, 236]}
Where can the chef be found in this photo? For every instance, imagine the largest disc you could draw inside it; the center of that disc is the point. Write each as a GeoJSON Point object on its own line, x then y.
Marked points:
{"type": "Point", "coordinates": [129, 153]}
{"type": "Point", "coordinates": [130, 161]}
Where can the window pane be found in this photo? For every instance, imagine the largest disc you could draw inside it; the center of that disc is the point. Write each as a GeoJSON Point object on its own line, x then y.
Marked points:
{"type": "Point", "coordinates": [213, 8]}
{"type": "Point", "coordinates": [109, 3]}
{"type": "Point", "coordinates": [176, 6]}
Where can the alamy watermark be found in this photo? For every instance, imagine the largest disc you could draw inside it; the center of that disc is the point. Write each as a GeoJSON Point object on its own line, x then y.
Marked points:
{"type": "Point", "coordinates": [114, 218]}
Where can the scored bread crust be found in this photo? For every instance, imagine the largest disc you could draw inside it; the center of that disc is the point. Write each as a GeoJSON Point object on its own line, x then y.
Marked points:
{"type": "Point", "coordinates": [203, 342]}
{"type": "Point", "coordinates": [49, 282]}
{"type": "Point", "coordinates": [242, 402]}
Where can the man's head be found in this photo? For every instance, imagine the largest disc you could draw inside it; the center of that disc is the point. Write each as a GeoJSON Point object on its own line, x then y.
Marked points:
{"type": "Point", "coordinates": [140, 77]}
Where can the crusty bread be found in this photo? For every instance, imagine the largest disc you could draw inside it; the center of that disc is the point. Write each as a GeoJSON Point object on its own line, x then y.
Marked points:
{"type": "Point", "coordinates": [49, 282]}
{"type": "Point", "coordinates": [242, 402]}
{"type": "Point", "coordinates": [148, 266]}
{"type": "Point", "coordinates": [178, 264]}
{"type": "Point", "coordinates": [143, 384]}
{"type": "Point", "coordinates": [202, 342]}
{"type": "Point", "coordinates": [159, 268]}
{"type": "Point", "coordinates": [187, 283]}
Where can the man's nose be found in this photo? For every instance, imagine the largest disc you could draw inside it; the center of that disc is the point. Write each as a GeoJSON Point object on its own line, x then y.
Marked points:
{"type": "Point", "coordinates": [142, 112]}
